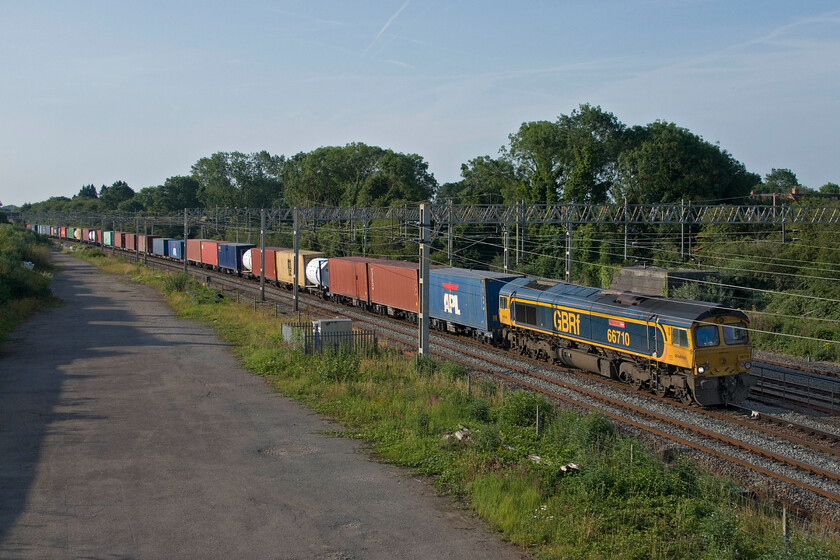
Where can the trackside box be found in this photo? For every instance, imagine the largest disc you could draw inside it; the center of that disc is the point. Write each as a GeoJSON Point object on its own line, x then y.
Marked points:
{"type": "Point", "coordinates": [230, 255]}
{"type": "Point", "coordinates": [176, 249]}
{"type": "Point", "coordinates": [160, 246]}
{"type": "Point", "coordinates": [467, 297]}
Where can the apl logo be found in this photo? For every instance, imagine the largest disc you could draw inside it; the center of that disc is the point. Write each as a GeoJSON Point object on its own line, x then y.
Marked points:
{"type": "Point", "coordinates": [450, 300]}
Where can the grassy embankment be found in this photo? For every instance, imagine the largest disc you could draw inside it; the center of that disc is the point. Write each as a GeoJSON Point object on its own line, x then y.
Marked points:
{"type": "Point", "coordinates": [621, 502]}
{"type": "Point", "coordinates": [23, 290]}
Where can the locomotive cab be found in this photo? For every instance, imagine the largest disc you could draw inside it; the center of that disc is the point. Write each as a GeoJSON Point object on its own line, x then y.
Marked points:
{"type": "Point", "coordinates": [721, 359]}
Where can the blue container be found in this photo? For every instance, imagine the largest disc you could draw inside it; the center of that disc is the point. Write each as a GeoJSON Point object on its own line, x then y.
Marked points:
{"type": "Point", "coordinates": [467, 299]}
{"type": "Point", "coordinates": [176, 249]}
{"type": "Point", "coordinates": [230, 256]}
{"type": "Point", "coordinates": [160, 246]}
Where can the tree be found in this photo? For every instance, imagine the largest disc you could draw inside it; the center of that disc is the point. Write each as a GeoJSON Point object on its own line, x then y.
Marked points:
{"type": "Point", "coordinates": [235, 179]}
{"type": "Point", "coordinates": [830, 188]}
{"type": "Point", "coordinates": [177, 193]}
{"type": "Point", "coordinates": [485, 181]}
{"type": "Point", "coordinates": [87, 191]}
{"type": "Point", "coordinates": [778, 181]}
{"type": "Point", "coordinates": [536, 153]}
{"type": "Point", "coordinates": [112, 196]}
{"type": "Point", "coordinates": [356, 174]}
{"type": "Point", "coordinates": [669, 163]}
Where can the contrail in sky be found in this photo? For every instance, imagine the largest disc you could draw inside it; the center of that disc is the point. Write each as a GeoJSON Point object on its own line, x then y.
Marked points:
{"type": "Point", "coordinates": [387, 24]}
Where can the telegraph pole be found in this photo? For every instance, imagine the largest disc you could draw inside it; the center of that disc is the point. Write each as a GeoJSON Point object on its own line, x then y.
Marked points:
{"type": "Point", "coordinates": [262, 254]}
{"type": "Point", "coordinates": [423, 322]}
{"type": "Point", "coordinates": [296, 249]}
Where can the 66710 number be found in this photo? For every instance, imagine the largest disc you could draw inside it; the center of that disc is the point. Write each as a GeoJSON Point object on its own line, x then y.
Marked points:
{"type": "Point", "coordinates": [618, 337]}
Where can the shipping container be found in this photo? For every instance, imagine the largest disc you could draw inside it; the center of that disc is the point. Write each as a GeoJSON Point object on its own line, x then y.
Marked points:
{"type": "Point", "coordinates": [146, 242]}
{"type": "Point", "coordinates": [71, 232]}
{"type": "Point", "coordinates": [394, 284]}
{"type": "Point", "coordinates": [85, 234]}
{"type": "Point", "coordinates": [176, 249]}
{"type": "Point", "coordinates": [108, 238]}
{"type": "Point", "coordinates": [130, 241]}
{"type": "Point", "coordinates": [251, 261]}
{"type": "Point", "coordinates": [62, 232]}
{"type": "Point", "coordinates": [193, 250]}
{"type": "Point", "coordinates": [230, 256]}
{"type": "Point", "coordinates": [99, 236]}
{"type": "Point", "coordinates": [160, 246]}
{"type": "Point", "coordinates": [77, 234]}
{"type": "Point", "coordinates": [210, 252]}
{"type": "Point", "coordinates": [349, 278]}
{"type": "Point", "coordinates": [461, 298]}
{"type": "Point", "coordinates": [285, 262]}
{"type": "Point", "coordinates": [119, 239]}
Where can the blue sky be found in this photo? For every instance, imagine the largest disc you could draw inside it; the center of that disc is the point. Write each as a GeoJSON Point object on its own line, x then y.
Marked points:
{"type": "Point", "coordinates": [99, 91]}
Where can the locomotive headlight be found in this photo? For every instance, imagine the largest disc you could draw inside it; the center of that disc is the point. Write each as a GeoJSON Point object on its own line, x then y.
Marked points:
{"type": "Point", "coordinates": [701, 369]}
{"type": "Point", "coordinates": [745, 365]}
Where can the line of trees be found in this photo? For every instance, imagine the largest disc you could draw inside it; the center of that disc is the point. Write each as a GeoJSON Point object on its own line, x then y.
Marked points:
{"type": "Point", "coordinates": [588, 156]}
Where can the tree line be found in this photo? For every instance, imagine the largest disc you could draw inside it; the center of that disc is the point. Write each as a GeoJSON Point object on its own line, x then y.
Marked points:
{"type": "Point", "coordinates": [588, 156]}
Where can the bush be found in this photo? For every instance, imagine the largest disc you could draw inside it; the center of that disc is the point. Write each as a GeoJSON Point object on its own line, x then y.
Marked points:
{"type": "Point", "coordinates": [520, 409]}
{"type": "Point", "coordinates": [339, 365]}
{"type": "Point", "coordinates": [176, 282]}
{"type": "Point", "coordinates": [17, 281]}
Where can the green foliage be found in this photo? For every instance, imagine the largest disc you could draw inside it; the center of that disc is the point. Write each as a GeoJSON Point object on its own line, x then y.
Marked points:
{"type": "Point", "coordinates": [520, 409]}
{"type": "Point", "coordinates": [339, 365]}
{"type": "Point", "coordinates": [176, 282]}
{"type": "Point", "coordinates": [111, 197]}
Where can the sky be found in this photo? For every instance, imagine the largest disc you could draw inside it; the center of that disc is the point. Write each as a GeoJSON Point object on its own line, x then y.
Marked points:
{"type": "Point", "coordinates": [92, 92]}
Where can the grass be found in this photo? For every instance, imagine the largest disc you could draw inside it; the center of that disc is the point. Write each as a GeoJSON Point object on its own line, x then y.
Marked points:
{"type": "Point", "coordinates": [620, 502]}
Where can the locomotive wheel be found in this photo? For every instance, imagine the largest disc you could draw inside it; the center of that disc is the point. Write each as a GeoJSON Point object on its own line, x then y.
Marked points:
{"type": "Point", "coordinates": [660, 389]}
{"type": "Point", "coordinates": [636, 383]}
{"type": "Point", "coordinates": [685, 397]}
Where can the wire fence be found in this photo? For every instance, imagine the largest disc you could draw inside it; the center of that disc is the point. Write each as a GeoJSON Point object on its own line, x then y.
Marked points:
{"type": "Point", "coordinates": [304, 337]}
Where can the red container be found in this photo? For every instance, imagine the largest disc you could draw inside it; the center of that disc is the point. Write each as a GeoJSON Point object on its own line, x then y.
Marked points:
{"type": "Point", "coordinates": [194, 250]}
{"type": "Point", "coordinates": [349, 277]}
{"type": "Point", "coordinates": [99, 236]}
{"type": "Point", "coordinates": [144, 242]}
{"type": "Point", "coordinates": [119, 239]}
{"type": "Point", "coordinates": [270, 261]}
{"type": "Point", "coordinates": [130, 242]}
{"type": "Point", "coordinates": [62, 232]}
{"type": "Point", "coordinates": [85, 235]}
{"type": "Point", "coordinates": [394, 284]}
{"type": "Point", "coordinates": [210, 252]}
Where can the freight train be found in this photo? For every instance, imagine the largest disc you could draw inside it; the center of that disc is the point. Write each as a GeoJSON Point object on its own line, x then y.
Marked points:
{"type": "Point", "coordinates": [696, 351]}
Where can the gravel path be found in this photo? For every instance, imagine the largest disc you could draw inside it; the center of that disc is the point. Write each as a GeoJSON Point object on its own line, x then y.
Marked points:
{"type": "Point", "coordinates": [127, 433]}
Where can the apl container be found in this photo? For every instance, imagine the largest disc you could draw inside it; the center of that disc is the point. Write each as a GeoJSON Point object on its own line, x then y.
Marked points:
{"type": "Point", "coordinates": [467, 298]}
{"type": "Point", "coordinates": [230, 256]}
{"type": "Point", "coordinates": [176, 249]}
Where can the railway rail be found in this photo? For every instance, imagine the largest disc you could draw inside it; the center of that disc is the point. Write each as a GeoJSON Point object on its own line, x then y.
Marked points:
{"type": "Point", "coordinates": [780, 457]}
{"type": "Point", "coordinates": [808, 389]}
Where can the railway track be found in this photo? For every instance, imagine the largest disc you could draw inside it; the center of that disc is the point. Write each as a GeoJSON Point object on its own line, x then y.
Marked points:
{"type": "Point", "coordinates": [777, 454]}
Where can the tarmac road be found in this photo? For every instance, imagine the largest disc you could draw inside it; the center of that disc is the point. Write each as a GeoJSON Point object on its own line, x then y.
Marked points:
{"type": "Point", "coordinates": [128, 433]}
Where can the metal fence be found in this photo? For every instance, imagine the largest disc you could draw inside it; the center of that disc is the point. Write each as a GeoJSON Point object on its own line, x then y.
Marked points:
{"type": "Point", "coordinates": [302, 336]}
